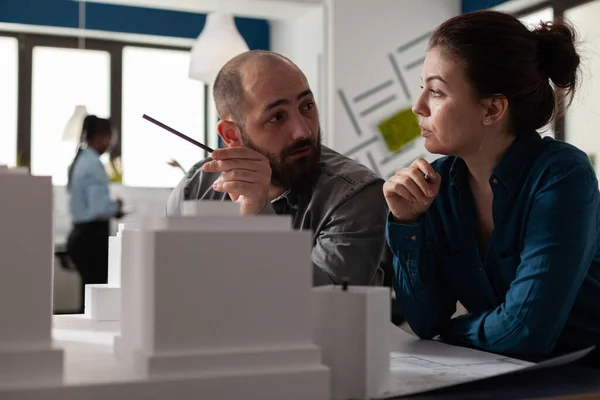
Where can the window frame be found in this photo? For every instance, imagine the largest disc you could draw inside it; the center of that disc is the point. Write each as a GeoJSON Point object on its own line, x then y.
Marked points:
{"type": "Point", "coordinates": [559, 7]}
{"type": "Point", "coordinates": [26, 43]}
{"type": "Point", "coordinates": [15, 36]}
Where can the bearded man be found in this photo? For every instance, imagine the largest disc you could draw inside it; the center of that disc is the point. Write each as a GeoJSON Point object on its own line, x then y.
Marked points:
{"type": "Point", "coordinates": [273, 162]}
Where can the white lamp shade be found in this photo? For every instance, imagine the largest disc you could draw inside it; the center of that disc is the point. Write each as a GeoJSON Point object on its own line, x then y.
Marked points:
{"type": "Point", "coordinates": [72, 132]}
{"type": "Point", "coordinates": [218, 43]}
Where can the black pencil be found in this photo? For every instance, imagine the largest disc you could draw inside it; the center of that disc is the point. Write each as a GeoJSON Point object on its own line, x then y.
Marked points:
{"type": "Point", "coordinates": [177, 133]}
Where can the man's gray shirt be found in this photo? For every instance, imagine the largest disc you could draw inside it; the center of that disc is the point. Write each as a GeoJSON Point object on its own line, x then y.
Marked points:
{"type": "Point", "coordinates": [343, 205]}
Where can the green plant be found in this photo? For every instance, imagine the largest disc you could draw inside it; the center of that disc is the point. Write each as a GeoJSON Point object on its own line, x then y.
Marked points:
{"type": "Point", "coordinates": [115, 172]}
{"type": "Point", "coordinates": [592, 157]}
{"type": "Point", "coordinates": [174, 163]}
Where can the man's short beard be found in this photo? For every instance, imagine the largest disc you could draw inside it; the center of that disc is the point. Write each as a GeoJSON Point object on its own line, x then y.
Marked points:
{"type": "Point", "coordinates": [294, 173]}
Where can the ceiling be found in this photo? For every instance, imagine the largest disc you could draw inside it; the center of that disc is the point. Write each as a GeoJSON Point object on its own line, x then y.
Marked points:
{"type": "Point", "coordinates": [268, 9]}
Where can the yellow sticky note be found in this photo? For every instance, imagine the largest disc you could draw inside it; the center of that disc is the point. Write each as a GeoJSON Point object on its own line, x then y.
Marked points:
{"type": "Point", "coordinates": [400, 129]}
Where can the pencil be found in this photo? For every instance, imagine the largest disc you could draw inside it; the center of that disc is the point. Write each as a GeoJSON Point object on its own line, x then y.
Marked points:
{"type": "Point", "coordinates": [177, 133]}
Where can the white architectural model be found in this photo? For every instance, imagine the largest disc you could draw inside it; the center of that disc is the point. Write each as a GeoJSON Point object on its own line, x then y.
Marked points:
{"type": "Point", "coordinates": [352, 327]}
{"type": "Point", "coordinates": [220, 297]}
{"type": "Point", "coordinates": [214, 305]}
{"type": "Point", "coordinates": [26, 273]}
{"type": "Point", "coordinates": [102, 308]}
{"type": "Point", "coordinates": [103, 301]}
{"type": "Point", "coordinates": [114, 257]}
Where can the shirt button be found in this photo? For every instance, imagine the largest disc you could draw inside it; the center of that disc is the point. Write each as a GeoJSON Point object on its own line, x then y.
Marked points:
{"type": "Point", "coordinates": [413, 237]}
{"type": "Point", "coordinates": [495, 180]}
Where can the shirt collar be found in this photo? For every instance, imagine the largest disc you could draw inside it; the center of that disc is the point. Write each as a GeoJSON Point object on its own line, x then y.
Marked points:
{"type": "Point", "coordinates": [517, 158]}
{"type": "Point", "coordinates": [293, 195]}
{"type": "Point", "coordinates": [290, 197]}
{"type": "Point", "coordinates": [91, 150]}
{"type": "Point", "coordinates": [458, 172]}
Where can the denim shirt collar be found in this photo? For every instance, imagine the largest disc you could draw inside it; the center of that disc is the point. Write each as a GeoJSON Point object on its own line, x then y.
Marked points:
{"type": "Point", "coordinates": [521, 153]}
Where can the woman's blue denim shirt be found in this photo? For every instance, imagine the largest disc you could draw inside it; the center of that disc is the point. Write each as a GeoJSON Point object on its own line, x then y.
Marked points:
{"type": "Point", "coordinates": [536, 290]}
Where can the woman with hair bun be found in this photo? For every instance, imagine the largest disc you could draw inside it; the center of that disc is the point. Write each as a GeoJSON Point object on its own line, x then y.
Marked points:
{"type": "Point", "coordinates": [507, 223]}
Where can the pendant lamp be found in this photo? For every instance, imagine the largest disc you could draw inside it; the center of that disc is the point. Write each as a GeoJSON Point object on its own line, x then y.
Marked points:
{"type": "Point", "coordinates": [72, 132]}
{"type": "Point", "coordinates": [218, 43]}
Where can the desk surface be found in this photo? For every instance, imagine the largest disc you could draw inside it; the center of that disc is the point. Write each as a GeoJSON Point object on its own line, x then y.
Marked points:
{"type": "Point", "coordinates": [544, 383]}
{"type": "Point", "coordinates": [91, 365]}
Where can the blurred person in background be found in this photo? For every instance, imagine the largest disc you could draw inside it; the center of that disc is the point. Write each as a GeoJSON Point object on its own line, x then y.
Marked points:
{"type": "Point", "coordinates": [90, 205]}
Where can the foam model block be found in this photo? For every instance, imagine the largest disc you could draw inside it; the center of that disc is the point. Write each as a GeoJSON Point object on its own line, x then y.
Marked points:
{"type": "Point", "coordinates": [83, 323]}
{"type": "Point", "coordinates": [213, 293]}
{"type": "Point", "coordinates": [114, 257]}
{"type": "Point", "coordinates": [26, 274]}
{"type": "Point", "coordinates": [213, 305]}
{"type": "Point", "coordinates": [352, 329]}
{"type": "Point", "coordinates": [103, 301]}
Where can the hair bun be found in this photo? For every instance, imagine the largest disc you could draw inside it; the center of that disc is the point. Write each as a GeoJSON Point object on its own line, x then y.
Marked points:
{"type": "Point", "coordinates": [557, 53]}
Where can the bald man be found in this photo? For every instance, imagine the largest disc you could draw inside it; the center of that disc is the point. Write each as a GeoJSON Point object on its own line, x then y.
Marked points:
{"type": "Point", "coordinates": [274, 163]}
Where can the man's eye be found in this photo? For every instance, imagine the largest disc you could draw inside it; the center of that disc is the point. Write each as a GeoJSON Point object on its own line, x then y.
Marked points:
{"type": "Point", "coordinates": [276, 118]}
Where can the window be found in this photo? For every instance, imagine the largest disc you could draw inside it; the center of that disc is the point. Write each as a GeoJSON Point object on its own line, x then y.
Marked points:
{"type": "Point", "coordinates": [583, 117]}
{"type": "Point", "coordinates": [156, 83]}
{"type": "Point", "coordinates": [8, 100]}
{"type": "Point", "coordinates": [533, 19]}
{"type": "Point", "coordinates": [62, 79]}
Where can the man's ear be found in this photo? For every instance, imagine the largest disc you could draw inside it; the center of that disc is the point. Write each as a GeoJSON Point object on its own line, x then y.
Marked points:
{"type": "Point", "coordinates": [230, 133]}
{"type": "Point", "coordinates": [495, 109]}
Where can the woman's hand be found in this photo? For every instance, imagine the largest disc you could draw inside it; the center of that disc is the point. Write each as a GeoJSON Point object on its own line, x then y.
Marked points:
{"type": "Point", "coordinates": [410, 192]}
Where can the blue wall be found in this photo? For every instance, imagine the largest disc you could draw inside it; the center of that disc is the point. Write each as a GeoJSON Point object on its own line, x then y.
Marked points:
{"type": "Point", "coordinates": [117, 18]}
{"type": "Point", "coordinates": [149, 21]}
{"type": "Point", "coordinates": [474, 5]}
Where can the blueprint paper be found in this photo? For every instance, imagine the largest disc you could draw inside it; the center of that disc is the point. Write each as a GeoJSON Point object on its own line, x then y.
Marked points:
{"type": "Point", "coordinates": [419, 366]}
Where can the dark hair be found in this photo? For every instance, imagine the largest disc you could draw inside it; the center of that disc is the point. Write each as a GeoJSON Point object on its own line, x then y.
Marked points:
{"type": "Point", "coordinates": [92, 127]}
{"type": "Point", "coordinates": [228, 90]}
{"type": "Point", "coordinates": [502, 57]}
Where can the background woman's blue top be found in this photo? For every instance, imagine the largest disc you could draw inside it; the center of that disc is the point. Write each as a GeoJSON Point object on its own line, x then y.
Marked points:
{"type": "Point", "coordinates": [89, 192]}
{"type": "Point", "coordinates": [537, 289]}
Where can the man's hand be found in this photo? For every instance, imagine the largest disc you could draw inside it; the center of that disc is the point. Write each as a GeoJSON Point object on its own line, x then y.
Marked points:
{"type": "Point", "coordinates": [246, 177]}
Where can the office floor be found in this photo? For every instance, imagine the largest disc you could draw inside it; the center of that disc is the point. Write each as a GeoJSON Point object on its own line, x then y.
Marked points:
{"type": "Point", "coordinates": [65, 289]}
